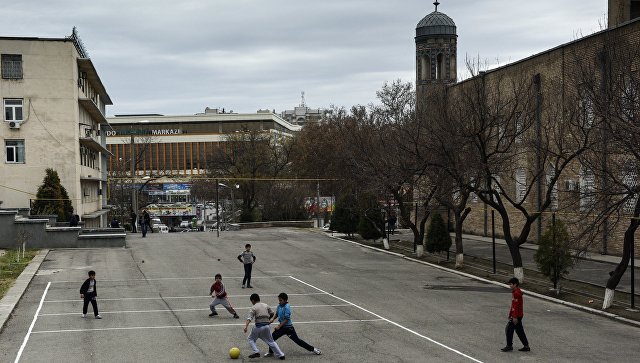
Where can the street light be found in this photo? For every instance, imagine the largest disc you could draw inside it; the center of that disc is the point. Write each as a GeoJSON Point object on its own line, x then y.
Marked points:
{"type": "Point", "coordinates": [235, 186]}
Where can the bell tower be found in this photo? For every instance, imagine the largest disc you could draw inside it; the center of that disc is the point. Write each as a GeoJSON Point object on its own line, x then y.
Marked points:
{"type": "Point", "coordinates": [436, 51]}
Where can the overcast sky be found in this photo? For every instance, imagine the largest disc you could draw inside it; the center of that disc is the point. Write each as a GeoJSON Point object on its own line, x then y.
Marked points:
{"type": "Point", "coordinates": [180, 56]}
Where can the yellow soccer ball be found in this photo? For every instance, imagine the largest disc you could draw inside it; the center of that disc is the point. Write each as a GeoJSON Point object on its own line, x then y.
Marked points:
{"type": "Point", "coordinates": [234, 353]}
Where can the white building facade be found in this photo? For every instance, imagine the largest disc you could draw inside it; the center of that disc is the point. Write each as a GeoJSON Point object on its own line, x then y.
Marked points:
{"type": "Point", "coordinates": [54, 117]}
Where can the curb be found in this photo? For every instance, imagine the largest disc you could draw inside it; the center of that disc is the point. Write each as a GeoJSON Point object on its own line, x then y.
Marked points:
{"type": "Point", "coordinates": [530, 293]}
{"type": "Point", "coordinates": [11, 298]}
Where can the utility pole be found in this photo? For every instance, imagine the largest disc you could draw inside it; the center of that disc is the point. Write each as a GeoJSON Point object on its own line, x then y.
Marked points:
{"type": "Point", "coordinates": [134, 195]}
{"type": "Point", "coordinates": [217, 211]}
{"type": "Point", "coordinates": [318, 203]}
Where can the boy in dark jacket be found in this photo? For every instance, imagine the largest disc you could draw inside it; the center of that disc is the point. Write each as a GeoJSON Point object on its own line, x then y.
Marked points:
{"type": "Point", "coordinates": [89, 292]}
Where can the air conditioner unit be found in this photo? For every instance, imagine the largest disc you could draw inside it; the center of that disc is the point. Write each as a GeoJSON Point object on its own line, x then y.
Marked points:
{"type": "Point", "coordinates": [88, 132]}
{"type": "Point", "coordinates": [14, 125]}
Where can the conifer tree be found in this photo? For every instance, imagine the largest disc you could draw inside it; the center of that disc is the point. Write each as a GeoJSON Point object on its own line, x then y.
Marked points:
{"type": "Point", "coordinates": [553, 256]}
{"type": "Point", "coordinates": [52, 197]}
{"type": "Point", "coordinates": [438, 238]}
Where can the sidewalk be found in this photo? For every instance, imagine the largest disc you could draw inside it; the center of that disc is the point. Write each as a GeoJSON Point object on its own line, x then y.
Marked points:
{"type": "Point", "coordinates": [591, 256]}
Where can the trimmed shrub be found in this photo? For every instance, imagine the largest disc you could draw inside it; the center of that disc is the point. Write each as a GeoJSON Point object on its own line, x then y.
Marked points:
{"type": "Point", "coordinates": [438, 238]}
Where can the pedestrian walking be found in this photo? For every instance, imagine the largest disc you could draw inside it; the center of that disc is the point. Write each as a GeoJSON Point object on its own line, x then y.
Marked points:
{"type": "Point", "coordinates": [516, 313]}
{"type": "Point", "coordinates": [261, 313]}
{"type": "Point", "coordinates": [248, 259]}
{"type": "Point", "coordinates": [219, 295]}
{"type": "Point", "coordinates": [134, 219]}
{"type": "Point", "coordinates": [146, 218]}
{"type": "Point", "coordinates": [143, 227]}
{"type": "Point", "coordinates": [283, 314]}
{"type": "Point", "coordinates": [89, 292]}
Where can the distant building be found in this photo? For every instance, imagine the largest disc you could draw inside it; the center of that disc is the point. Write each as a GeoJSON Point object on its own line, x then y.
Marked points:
{"type": "Point", "coordinates": [177, 147]}
{"type": "Point", "coordinates": [302, 115]}
{"type": "Point", "coordinates": [54, 106]}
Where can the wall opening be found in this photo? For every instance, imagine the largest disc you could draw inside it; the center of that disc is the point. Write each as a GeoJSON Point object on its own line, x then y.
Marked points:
{"type": "Point", "coordinates": [439, 66]}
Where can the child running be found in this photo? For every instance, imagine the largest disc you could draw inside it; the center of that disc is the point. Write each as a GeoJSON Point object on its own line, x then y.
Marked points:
{"type": "Point", "coordinates": [247, 258]}
{"type": "Point", "coordinates": [89, 292]}
{"type": "Point", "coordinates": [283, 313]}
{"type": "Point", "coordinates": [261, 313]}
{"type": "Point", "coordinates": [219, 295]}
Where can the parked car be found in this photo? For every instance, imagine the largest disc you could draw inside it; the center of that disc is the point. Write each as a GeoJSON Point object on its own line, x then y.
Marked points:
{"type": "Point", "coordinates": [155, 222]}
{"type": "Point", "coordinates": [162, 228]}
{"type": "Point", "coordinates": [185, 224]}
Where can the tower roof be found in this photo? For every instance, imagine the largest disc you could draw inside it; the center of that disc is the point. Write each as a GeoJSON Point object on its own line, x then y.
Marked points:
{"type": "Point", "coordinates": [436, 23]}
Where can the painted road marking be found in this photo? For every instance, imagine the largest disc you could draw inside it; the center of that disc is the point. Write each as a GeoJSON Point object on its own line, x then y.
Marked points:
{"type": "Point", "coordinates": [178, 297]}
{"type": "Point", "coordinates": [33, 323]}
{"type": "Point", "coordinates": [391, 322]}
{"type": "Point", "coordinates": [197, 326]}
{"type": "Point", "coordinates": [179, 310]}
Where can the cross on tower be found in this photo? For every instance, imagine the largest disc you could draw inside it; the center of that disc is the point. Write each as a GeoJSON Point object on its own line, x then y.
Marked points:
{"type": "Point", "coordinates": [436, 3]}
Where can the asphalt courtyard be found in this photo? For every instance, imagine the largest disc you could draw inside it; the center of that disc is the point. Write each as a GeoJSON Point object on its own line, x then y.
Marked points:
{"type": "Point", "coordinates": [353, 303]}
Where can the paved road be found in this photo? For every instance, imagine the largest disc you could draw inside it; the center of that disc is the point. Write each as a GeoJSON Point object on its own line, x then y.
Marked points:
{"type": "Point", "coordinates": [351, 302]}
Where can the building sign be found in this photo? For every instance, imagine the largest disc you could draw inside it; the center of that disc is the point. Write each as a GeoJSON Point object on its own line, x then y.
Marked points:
{"type": "Point", "coordinates": [129, 132]}
{"type": "Point", "coordinates": [166, 132]}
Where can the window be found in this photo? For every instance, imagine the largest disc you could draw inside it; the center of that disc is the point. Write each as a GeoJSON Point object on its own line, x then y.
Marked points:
{"type": "Point", "coordinates": [15, 151]}
{"type": "Point", "coordinates": [551, 172]}
{"type": "Point", "coordinates": [519, 126]}
{"type": "Point", "coordinates": [587, 111]}
{"type": "Point", "coordinates": [13, 109]}
{"type": "Point", "coordinates": [521, 184]}
{"type": "Point", "coordinates": [439, 66]}
{"type": "Point", "coordinates": [12, 66]}
{"type": "Point", "coordinates": [630, 180]}
{"type": "Point", "coordinates": [587, 188]}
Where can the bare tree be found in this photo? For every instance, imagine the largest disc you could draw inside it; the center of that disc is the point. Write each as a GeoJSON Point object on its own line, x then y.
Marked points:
{"type": "Point", "coordinates": [611, 87]}
{"type": "Point", "coordinates": [520, 137]}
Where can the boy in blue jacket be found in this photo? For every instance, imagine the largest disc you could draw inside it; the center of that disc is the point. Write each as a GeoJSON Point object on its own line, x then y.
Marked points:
{"type": "Point", "coordinates": [283, 314]}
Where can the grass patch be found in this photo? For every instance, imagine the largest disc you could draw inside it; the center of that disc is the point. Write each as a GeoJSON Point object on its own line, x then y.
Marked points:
{"type": "Point", "coordinates": [10, 268]}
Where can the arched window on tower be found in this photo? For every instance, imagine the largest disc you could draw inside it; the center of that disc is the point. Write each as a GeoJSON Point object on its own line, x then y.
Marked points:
{"type": "Point", "coordinates": [425, 68]}
{"type": "Point", "coordinates": [440, 66]}
{"type": "Point", "coordinates": [453, 70]}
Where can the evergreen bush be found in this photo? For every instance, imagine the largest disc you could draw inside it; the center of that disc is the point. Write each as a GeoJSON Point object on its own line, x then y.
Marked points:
{"type": "Point", "coordinates": [553, 256]}
{"type": "Point", "coordinates": [52, 197]}
{"type": "Point", "coordinates": [438, 238]}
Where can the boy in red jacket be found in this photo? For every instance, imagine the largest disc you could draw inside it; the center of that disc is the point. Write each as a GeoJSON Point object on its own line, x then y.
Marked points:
{"type": "Point", "coordinates": [219, 295]}
{"type": "Point", "coordinates": [515, 318]}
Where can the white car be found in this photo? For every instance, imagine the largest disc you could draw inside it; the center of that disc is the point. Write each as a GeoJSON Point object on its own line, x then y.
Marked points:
{"type": "Point", "coordinates": [162, 228]}
{"type": "Point", "coordinates": [185, 224]}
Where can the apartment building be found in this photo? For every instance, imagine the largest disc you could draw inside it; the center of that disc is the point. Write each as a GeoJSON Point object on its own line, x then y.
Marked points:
{"type": "Point", "coordinates": [54, 117]}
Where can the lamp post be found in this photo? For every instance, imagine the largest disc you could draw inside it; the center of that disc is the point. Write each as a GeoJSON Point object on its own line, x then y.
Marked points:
{"type": "Point", "coordinates": [235, 186]}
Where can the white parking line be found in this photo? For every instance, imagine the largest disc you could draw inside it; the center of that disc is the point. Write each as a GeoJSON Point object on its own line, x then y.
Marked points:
{"type": "Point", "coordinates": [178, 297]}
{"type": "Point", "coordinates": [196, 326]}
{"type": "Point", "coordinates": [183, 310]}
{"type": "Point", "coordinates": [35, 317]}
{"type": "Point", "coordinates": [176, 278]}
{"type": "Point", "coordinates": [391, 322]}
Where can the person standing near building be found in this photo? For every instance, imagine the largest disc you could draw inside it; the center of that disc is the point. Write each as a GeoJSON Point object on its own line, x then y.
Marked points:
{"type": "Point", "coordinates": [247, 258]}
{"type": "Point", "coordinates": [516, 313]}
{"type": "Point", "coordinates": [146, 220]}
{"type": "Point", "coordinates": [134, 219]}
{"type": "Point", "coordinates": [261, 313]}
